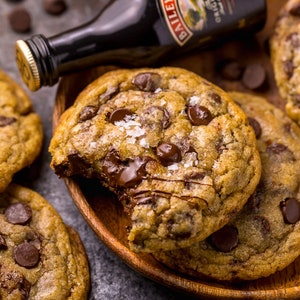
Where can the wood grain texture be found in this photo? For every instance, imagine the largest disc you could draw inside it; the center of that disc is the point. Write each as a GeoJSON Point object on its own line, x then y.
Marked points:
{"type": "Point", "coordinates": [105, 214]}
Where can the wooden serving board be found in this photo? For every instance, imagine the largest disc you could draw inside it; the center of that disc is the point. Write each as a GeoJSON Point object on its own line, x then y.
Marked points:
{"type": "Point", "coordinates": [105, 214]}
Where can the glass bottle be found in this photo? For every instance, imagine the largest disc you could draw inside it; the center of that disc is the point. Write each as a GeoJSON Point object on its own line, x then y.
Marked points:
{"type": "Point", "coordinates": [135, 33]}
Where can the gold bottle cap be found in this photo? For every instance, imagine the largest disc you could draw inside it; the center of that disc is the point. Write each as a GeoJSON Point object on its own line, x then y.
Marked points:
{"type": "Point", "coordinates": [27, 66]}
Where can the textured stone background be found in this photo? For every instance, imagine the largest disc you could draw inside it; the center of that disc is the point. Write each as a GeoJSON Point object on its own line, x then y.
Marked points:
{"type": "Point", "coordinates": [111, 278]}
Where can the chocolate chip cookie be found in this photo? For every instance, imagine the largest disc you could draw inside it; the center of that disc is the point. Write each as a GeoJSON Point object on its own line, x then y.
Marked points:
{"type": "Point", "coordinates": [40, 258]}
{"type": "Point", "coordinates": [176, 149]}
{"type": "Point", "coordinates": [265, 236]}
{"type": "Point", "coordinates": [21, 132]}
{"type": "Point", "coordinates": [285, 55]}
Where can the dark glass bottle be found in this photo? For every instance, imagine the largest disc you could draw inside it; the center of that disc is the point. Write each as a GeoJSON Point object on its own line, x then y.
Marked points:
{"type": "Point", "coordinates": [135, 33]}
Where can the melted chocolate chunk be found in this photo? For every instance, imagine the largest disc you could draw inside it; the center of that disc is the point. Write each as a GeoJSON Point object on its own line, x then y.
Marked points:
{"type": "Point", "coordinates": [3, 244]}
{"type": "Point", "coordinates": [256, 126]}
{"type": "Point", "coordinates": [111, 166]}
{"type": "Point", "coordinates": [199, 115]}
{"type": "Point", "coordinates": [5, 121]}
{"type": "Point", "coordinates": [295, 10]}
{"type": "Point", "coordinates": [78, 165]}
{"type": "Point", "coordinates": [88, 113]}
{"type": "Point", "coordinates": [254, 76]}
{"type": "Point", "coordinates": [225, 239]}
{"type": "Point", "coordinates": [18, 213]}
{"type": "Point", "coordinates": [26, 255]}
{"type": "Point", "coordinates": [290, 209]}
{"type": "Point", "coordinates": [168, 154]}
{"type": "Point", "coordinates": [147, 82]}
{"type": "Point", "coordinates": [288, 67]}
{"type": "Point", "coordinates": [133, 173]}
{"type": "Point", "coordinates": [154, 113]}
{"type": "Point", "coordinates": [120, 114]}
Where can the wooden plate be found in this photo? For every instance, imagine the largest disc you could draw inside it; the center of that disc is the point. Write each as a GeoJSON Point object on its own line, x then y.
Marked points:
{"type": "Point", "coordinates": [105, 215]}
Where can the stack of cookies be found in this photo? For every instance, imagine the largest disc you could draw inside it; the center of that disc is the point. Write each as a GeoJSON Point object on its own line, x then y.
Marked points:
{"type": "Point", "coordinates": [209, 179]}
{"type": "Point", "coordinates": [40, 257]}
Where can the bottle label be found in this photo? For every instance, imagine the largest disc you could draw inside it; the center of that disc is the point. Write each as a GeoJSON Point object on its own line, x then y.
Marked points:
{"type": "Point", "coordinates": [186, 18]}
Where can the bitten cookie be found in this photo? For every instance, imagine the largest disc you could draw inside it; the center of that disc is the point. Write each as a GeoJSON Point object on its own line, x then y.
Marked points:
{"type": "Point", "coordinates": [285, 56]}
{"type": "Point", "coordinates": [265, 236]}
{"type": "Point", "coordinates": [40, 258]}
{"type": "Point", "coordinates": [176, 149]}
{"type": "Point", "coordinates": [21, 132]}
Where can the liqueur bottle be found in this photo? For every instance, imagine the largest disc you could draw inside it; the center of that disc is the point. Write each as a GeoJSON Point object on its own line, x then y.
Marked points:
{"type": "Point", "coordinates": [135, 33]}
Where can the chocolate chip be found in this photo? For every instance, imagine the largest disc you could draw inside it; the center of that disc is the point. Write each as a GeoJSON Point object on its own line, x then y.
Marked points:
{"type": "Point", "coordinates": [133, 173]}
{"type": "Point", "coordinates": [168, 154]}
{"type": "Point", "coordinates": [5, 121]}
{"type": "Point", "coordinates": [20, 20]}
{"type": "Point", "coordinates": [231, 70]}
{"type": "Point", "coordinates": [193, 179]}
{"type": "Point", "coordinates": [187, 148]}
{"type": "Point", "coordinates": [109, 93]}
{"type": "Point", "coordinates": [179, 226]}
{"type": "Point", "coordinates": [225, 239]}
{"type": "Point", "coordinates": [26, 255]}
{"type": "Point", "coordinates": [276, 148]}
{"type": "Point", "coordinates": [199, 115]}
{"type": "Point", "coordinates": [295, 10]}
{"type": "Point", "coordinates": [263, 224]}
{"type": "Point", "coordinates": [54, 7]}
{"type": "Point", "coordinates": [3, 244]}
{"type": "Point", "coordinates": [288, 67]}
{"type": "Point", "coordinates": [18, 213]}
{"type": "Point", "coordinates": [293, 38]}
{"type": "Point", "coordinates": [254, 76]}
{"type": "Point", "coordinates": [147, 82]}
{"type": "Point", "coordinates": [155, 114]}
{"type": "Point", "coordinates": [256, 127]}
{"type": "Point", "coordinates": [120, 114]}
{"type": "Point", "coordinates": [290, 209]}
{"type": "Point", "coordinates": [220, 146]}
{"type": "Point", "coordinates": [254, 200]}
{"type": "Point", "coordinates": [88, 113]}
{"type": "Point", "coordinates": [216, 98]}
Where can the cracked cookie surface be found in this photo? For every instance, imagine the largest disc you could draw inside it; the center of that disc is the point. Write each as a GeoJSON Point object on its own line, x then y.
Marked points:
{"type": "Point", "coordinates": [176, 149]}
{"type": "Point", "coordinates": [265, 236]}
{"type": "Point", "coordinates": [21, 132]}
{"type": "Point", "coordinates": [285, 55]}
{"type": "Point", "coordinates": [40, 257]}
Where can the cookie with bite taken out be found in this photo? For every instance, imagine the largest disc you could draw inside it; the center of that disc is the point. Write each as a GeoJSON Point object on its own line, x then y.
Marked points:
{"type": "Point", "coordinates": [175, 148]}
